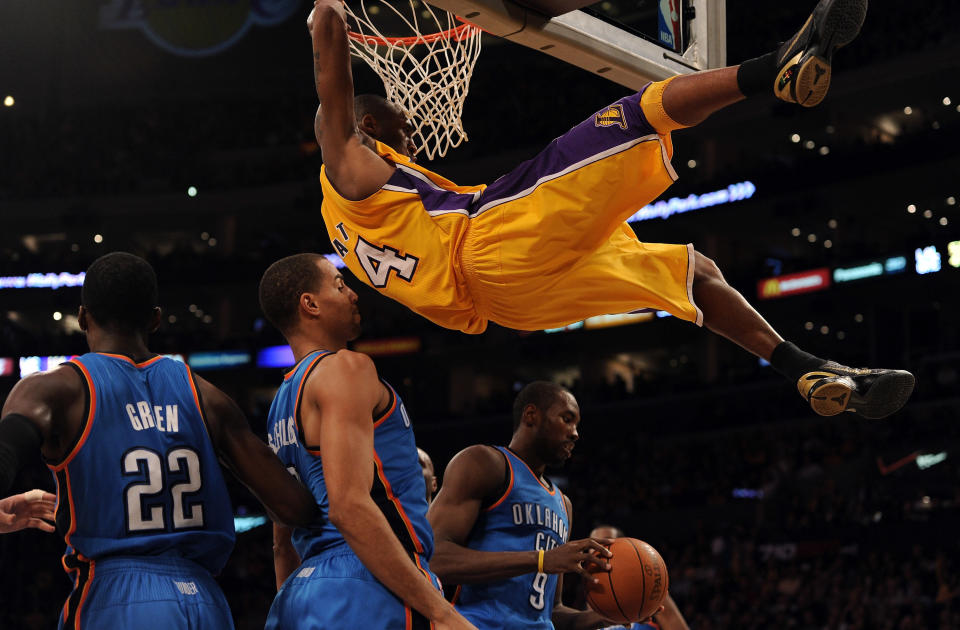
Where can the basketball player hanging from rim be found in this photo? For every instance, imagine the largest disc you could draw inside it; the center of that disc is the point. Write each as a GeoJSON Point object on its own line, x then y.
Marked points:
{"type": "Point", "coordinates": [547, 244]}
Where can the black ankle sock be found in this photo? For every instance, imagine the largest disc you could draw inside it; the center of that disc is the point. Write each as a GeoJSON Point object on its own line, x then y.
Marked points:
{"type": "Point", "coordinates": [756, 76]}
{"type": "Point", "coordinates": [793, 362]}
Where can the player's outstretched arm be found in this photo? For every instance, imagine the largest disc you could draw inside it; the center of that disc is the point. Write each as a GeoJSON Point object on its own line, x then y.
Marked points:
{"type": "Point", "coordinates": [472, 477]}
{"type": "Point", "coordinates": [345, 389]}
{"type": "Point", "coordinates": [37, 415]}
{"type": "Point", "coordinates": [252, 461]}
{"type": "Point", "coordinates": [353, 169]}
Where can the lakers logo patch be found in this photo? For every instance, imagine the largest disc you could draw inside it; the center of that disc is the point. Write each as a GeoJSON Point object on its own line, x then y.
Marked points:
{"type": "Point", "coordinates": [611, 116]}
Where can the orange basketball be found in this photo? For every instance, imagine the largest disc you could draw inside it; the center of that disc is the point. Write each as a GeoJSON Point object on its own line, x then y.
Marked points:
{"type": "Point", "coordinates": [635, 586]}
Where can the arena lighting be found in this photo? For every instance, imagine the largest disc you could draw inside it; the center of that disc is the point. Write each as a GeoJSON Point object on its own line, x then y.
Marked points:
{"type": "Point", "coordinates": [8, 101]}
{"type": "Point", "coordinates": [275, 357]}
{"type": "Point", "coordinates": [793, 284]}
{"type": "Point", "coordinates": [895, 264]}
{"type": "Point", "coordinates": [869, 270]}
{"type": "Point", "coordinates": [226, 359]}
{"type": "Point", "coordinates": [336, 260]}
{"type": "Point", "coordinates": [747, 493]}
{"type": "Point", "coordinates": [609, 321]}
{"type": "Point", "coordinates": [8, 367]}
{"type": "Point", "coordinates": [927, 259]}
{"type": "Point", "coordinates": [931, 459]}
{"type": "Point", "coordinates": [572, 326]}
{"type": "Point", "coordinates": [678, 205]}
{"type": "Point", "coordinates": [42, 280]}
{"type": "Point", "coordinates": [246, 523]}
{"type": "Point", "coordinates": [392, 346]}
{"type": "Point", "coordinates": [953, 252]}
{"type": "Point", "coordinates": [32, 365]}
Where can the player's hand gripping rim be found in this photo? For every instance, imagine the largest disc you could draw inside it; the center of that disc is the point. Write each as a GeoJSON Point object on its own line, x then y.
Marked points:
{"type": "Point", "coordinates": [336, 5]}
{"type": "Point", "coordinates": [585, 556]}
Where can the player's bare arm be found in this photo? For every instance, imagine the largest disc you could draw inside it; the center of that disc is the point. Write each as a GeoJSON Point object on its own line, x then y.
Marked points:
{"type": "Point", "coordinates": [340, 400]}
{"type": "Point", "coordinates": [252, 461]}
{"type": "Point", "coordinates": [42, 414]}
{"type": "Point", "coordinates": [670, 617]}
{"type": "Point", "coordinates": [472, 478]}
{"type": "Point", "coordinates": [352, 167]}
{"type": "Point", "coordinates": [285, 556]}
{"type": "Point", "coordinates": [564, 617]}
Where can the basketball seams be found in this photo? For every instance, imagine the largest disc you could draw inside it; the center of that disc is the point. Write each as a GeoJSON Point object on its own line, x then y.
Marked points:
{"type": "Point", "coordinates": [613, 592]}
{"type": "Point", "coordinates": [643, 575]}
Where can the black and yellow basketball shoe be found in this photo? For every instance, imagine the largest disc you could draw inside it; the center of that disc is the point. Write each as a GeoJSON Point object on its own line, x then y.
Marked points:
{"type": "Point", "coordinates": [835, 388]}
{"type": "Point", "coordinates": [803, 62]}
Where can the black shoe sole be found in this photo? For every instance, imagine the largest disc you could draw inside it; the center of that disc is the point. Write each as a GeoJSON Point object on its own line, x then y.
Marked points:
{"type": "Point", "coordinates": [887, 395]}
{"type": "Point", "coordinates": [836, 23]}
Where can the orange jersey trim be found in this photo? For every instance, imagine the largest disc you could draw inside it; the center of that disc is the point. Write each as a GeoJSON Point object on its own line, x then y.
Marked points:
{"type": "Point", "coordinates": [505, 494]}
{"type": "Point", "coordinates": [535, 475]}
{"type": "Point", "coordinates": [73, 510]}
{"type": "Point", "coordinates": [193, 390]}
{"type": "Point", "coordinates": [88, 424]}
{"type": "Point", "coordinates": [86, 591]}
{"type": "Point", "coordinates": [131, 361]}
{"type": "Point", "coordinates": [294, 369]}
{"type": "Point", "coordinates": [296, 404]}
{"type": "Point", "coordinates": [390, 410]}
{"type": "Point", "coordinates": [396, 503]}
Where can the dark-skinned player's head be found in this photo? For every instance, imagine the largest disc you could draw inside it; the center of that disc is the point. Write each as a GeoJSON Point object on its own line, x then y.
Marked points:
{"type": "Point", "coordinates": [606, 531]}
{"type": "Point", "coordinates": [304, 293]}
{"type": "Point", "coordinates": [546, 415]}
{"type": "Point", "coordinates": [120, 295]}
{"type": "Point", "coordinates": [381, 120]}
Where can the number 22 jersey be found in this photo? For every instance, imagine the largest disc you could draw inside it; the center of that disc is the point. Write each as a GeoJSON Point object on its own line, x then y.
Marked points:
{"type": "Point", "coordinates": [142, 478]}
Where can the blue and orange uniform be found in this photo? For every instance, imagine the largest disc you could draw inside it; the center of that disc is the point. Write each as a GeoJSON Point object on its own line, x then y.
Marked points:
{"type": "Point", "coordinates": [530, 515]}
{"type": "Point", "coordinates": [541, 247]}
{"type": "Point", "coordinates": [332, 588]}
{"type": "Point", "coordinates": [141, 501]}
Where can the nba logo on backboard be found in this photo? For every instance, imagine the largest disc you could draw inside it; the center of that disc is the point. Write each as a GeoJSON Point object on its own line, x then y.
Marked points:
{"type": "Point", "coordinates": [611, 116]}
{"type": "Point", "coordinates": [668, 18]}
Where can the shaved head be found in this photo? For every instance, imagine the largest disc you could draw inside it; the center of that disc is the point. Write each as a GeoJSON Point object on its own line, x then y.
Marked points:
{"type": "Point", "coordinates": [379, 119]}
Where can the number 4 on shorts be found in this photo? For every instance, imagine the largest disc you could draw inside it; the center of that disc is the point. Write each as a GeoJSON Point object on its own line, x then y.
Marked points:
{"type": "Point", "coordinates": [378, 262]}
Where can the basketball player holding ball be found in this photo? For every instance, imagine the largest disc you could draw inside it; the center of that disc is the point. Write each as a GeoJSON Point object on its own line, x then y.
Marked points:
{"type": "Point", "coordinates": [501, 527]}
{"type": "Point", "coordinates": [669, 617]}
{"type": "Point", "coordinates": [547, 244]}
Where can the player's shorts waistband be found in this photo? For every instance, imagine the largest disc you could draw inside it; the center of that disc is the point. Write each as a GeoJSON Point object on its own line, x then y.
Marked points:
{"type": "Point", "coordinates": [163, 565]}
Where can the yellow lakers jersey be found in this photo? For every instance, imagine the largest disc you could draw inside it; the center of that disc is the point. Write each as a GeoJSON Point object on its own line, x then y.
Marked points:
{"type": "Point", "coordinates": [404, 240]}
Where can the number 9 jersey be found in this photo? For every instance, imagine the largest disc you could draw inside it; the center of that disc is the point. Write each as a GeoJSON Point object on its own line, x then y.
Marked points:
{"type": "Point", "coordinates": [142, 478]}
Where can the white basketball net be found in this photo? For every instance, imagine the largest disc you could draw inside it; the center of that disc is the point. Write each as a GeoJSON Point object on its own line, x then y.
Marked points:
{"type": "Point", "coordinates": [427, 74]}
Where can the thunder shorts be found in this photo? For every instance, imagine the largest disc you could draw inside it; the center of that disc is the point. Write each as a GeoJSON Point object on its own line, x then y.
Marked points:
{"type": "Point", "coordinates": [335, 590]}
{"type": "Point", "coordinates": [145, 592]}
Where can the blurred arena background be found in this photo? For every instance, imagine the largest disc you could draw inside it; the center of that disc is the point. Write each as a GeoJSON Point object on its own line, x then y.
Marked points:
{"type": "Point", "coordinates": [195, 150]}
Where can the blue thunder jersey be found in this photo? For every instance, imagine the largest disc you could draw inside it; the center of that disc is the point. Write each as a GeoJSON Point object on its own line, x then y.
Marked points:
{"type": "Point", "coordinates": [529, 516]}
{"type": "Point", "coordinates": [398, 486]}
{"type": "Point", "coordinates": [142, 478]}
